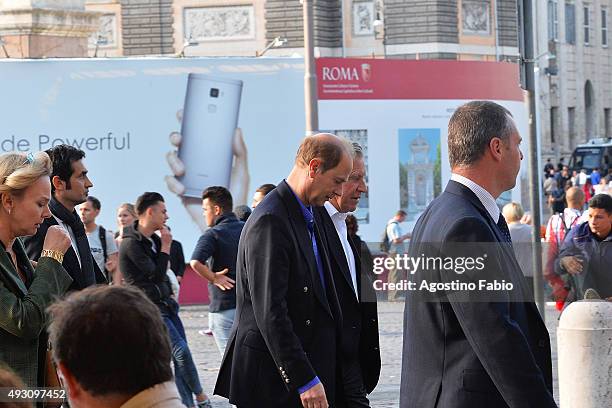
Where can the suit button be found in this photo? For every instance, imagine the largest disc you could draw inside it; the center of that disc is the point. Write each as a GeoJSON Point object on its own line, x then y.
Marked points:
{"type": "Point", "coordinates": [305, 289]}
{"type": "Point", "coordinates": [373, 320]}
{"type": "Point", "coordinates": [307, 322]}
{"type": "Point", "coordinates": [375, 348]}
{"type": "Point", "coordinates": [354, 327]}
{"type": "Point", "coordinates": [542, 343]}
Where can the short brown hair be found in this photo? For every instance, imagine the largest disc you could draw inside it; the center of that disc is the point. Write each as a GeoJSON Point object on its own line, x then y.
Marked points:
{"type": "Point", "coordinates": [112, 340]}
{"type": "Point", "coordinates": [220, 196]}
{"type": "Point", "coordinates": [329, 151]}
{"type": "Point", "coordinates": [471, 129]}
{"type": "Point", "coordinates": [265, 189]}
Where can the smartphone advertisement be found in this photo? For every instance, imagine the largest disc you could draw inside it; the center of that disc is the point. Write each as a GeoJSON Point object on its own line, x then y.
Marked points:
{"type": "Point", "coordinates": [177, 126]}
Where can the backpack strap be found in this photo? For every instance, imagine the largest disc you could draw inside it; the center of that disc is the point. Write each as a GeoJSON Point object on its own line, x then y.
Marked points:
{"type": "Point", "coordinates": [102, 234]}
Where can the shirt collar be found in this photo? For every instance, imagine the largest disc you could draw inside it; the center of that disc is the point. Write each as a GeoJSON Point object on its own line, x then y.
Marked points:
{"type": "Point", "coordinates": [159, 393]}
{"type": "Point", "coordinates": [230, 216]}
{"type": "Point", "coordinates": [333, 211]}
{"type": "Point", "coordinates": [306, 211]}
{"type": "Point", "coordinates": [483, 195]}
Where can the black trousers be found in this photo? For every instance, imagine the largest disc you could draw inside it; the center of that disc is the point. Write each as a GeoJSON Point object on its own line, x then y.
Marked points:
{"type": "Point", "coordinates": [352, 393]}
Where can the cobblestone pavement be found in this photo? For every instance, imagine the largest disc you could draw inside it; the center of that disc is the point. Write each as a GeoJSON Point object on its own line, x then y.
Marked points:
{"type": "Point", "coordinates": [386, 394]}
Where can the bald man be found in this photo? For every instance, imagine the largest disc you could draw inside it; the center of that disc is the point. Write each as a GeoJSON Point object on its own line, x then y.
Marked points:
{"type": "Point", "coordinates": [282, 351]}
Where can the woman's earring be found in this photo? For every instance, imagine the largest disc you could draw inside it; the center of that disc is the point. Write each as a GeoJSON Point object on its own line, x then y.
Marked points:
{"type": "Point", "coordinates": [9, 211]}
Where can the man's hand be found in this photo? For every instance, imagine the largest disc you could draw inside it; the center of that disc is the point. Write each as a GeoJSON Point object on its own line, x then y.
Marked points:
{"type": "Point", "coordinates": [223, 282]}
{"type": "Point", "coordinates": [166, 239]}
{"type": "Point", "coordinates": [239, 179]}
{"type": "Point", "coordinates": [314, 397]}
{"type": "Point", "coordinates": [111, 263]}
{"type": "Point", "coordinates": [571, 264]}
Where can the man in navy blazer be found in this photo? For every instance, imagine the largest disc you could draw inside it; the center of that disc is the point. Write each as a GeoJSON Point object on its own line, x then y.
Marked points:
{"type": "Point", "coordinates": [474, 348]}
{"type": "Point", "coordinates": [282, 352]}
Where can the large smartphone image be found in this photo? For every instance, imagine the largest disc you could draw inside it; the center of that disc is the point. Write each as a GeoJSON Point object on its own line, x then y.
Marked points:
{"type": "Point", "coordinates": [210, 117]}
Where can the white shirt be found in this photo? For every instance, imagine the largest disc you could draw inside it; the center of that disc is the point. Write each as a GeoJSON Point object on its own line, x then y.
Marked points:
{"type": "Point", "coordinates": [483, 195]}
{"type": "Point", "coordinates": [339, 219]}
{"type": "Point", "coordinates": [95, 246]}
{"type": "Point", "coordinates": [72, 237]}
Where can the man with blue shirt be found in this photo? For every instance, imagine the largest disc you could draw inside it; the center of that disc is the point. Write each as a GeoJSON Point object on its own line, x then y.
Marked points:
{"type": "Point", "coordinates": [220, 244]}
{"type": "Point", "coordinates": [283, 350]}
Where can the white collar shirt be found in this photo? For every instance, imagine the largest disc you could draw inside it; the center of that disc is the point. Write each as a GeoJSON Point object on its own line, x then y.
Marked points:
{"type": "Point", "coordinates": [483, 195]}
{"type": "Point", "coordinates": [338, 219]}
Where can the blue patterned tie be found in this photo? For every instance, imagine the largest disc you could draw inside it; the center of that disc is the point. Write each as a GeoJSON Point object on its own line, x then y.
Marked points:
{"type": "Point", "coordinates": [501, 223]}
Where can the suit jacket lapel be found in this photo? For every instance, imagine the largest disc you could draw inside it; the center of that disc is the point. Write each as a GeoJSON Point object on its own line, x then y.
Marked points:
{"type": "Point", "coordinates": [357, 255]}
{"type": "Point", "coordinates": [10, 274]}
{"type": "Point", "coordinates": [458, 188]}
{"type": "Point", "coordinates": [335, 246]}
{"type": "Point", "coordinates": [305, 242]}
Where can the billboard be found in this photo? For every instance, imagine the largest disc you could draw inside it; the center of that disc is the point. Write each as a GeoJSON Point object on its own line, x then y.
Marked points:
{"type": "Point", "coordinates": [177, 125]}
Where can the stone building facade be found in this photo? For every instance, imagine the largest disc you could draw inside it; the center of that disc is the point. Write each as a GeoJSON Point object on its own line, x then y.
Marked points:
{"type": "Point", "coordinates": [575, 104]}
{"type": "Point", "coordinates": [411, 29]}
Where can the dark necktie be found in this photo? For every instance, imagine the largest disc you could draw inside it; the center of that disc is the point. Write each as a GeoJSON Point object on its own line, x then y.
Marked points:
{"type": "Point", "coordinates": [315, 249]}
{"type": "Point", "coordinates": [501, 223]}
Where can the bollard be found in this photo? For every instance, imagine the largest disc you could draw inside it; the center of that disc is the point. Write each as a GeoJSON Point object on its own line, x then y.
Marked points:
{"type": "Point", "coordinates": [584, 345]}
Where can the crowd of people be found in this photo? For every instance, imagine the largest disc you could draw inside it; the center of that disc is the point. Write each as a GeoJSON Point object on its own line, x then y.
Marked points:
{"type": "Point", "coordinates": [557, 180]}
{"type": "Point", "coordinates": [53, 248]}
{"type": "Point", "coordinates": [293, 310]}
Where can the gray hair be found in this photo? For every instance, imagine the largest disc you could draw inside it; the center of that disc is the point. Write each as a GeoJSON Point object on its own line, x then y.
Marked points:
{"type": "Point", "coordinates": [471, 129]}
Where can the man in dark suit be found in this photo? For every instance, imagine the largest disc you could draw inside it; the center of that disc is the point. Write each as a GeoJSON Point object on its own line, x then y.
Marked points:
{"type": "Point", "coordinates": [282, 350]}
{"type": "Point", "coordinates": [473, 348]}
{"type": "Point", "coordinates": [70, 186]}
{"type": "Point", "coordinates": [360, 354]}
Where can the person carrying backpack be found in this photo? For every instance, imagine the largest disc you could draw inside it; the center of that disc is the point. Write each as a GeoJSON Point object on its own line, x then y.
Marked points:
{"type": "Point", "coordinates": [557, 229]}
{"type": "Point", "coordinates": [392, 241]}
{"type": "Point", "coordinates": [101, 242]}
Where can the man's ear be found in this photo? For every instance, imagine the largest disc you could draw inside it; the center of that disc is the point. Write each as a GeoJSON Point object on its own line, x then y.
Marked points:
{"type": "Point", "coordinates": [495, 148]}
{"type": "Point", "coordinates": [58, 183]}
{"type": "Point", "coordinates": [73, 388]}
{"type": "Point", "coordinates": [313, 167]}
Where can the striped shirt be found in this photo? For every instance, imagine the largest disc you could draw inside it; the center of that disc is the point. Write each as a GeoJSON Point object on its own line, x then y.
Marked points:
{"type": "Point", "coordinates": [487, 200]}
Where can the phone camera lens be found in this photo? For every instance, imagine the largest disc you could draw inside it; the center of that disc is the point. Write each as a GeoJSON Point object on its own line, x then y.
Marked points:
{"type": "Point", "coordinates": [214, 93]}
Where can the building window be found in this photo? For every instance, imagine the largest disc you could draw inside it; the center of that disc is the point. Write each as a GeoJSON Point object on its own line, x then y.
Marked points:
{"type": "Point", "coordinates": [554, 115]}
{"type": "Point", "coordinates": [570, 23]}
{"type": "Point", "coordinates": [553, 22]}
{"type": "Point", "coordinates": [586, 25]}
{"type": "Point", "coordinates": [571, 125]}
{"type": "Point", "coordinates": [607, 122]}
{"type": "Point", "coordinates": [604, 27]}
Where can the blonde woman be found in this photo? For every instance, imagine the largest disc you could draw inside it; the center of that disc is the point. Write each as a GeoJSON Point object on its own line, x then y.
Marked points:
{"type": "Point", "coordinates": [27, 288]}
{"type": "Point", "coordinates": [522, 239]}
{"type": "Point", "coordinates": [126, 215]}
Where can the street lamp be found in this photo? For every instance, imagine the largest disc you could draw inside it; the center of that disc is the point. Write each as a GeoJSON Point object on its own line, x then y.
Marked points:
{"type": "Point", "coordinates": [188, 42]}
{"type": "Point", "coordinates": [275, 43]}
{"type": "Point", "coordinates": [310, 75]}
{"type": "Point", "coordinates": [99, 41]}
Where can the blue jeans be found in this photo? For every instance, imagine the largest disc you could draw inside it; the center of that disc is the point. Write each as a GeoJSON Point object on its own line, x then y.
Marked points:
{"type": "Point", "coordinates": [185, 372]}
{"type": "Point", "coordinates": [221, 325]}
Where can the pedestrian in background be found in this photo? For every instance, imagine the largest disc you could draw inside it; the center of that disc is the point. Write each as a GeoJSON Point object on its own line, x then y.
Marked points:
{"type": "Point", "coordinates": [522, 240]}
{"type": "Point", "coordinates": [219, 243]}
{"type": "Point", "coordinates": [144, 258]}
{"type": "Point", "coordinates": [101, 241]}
